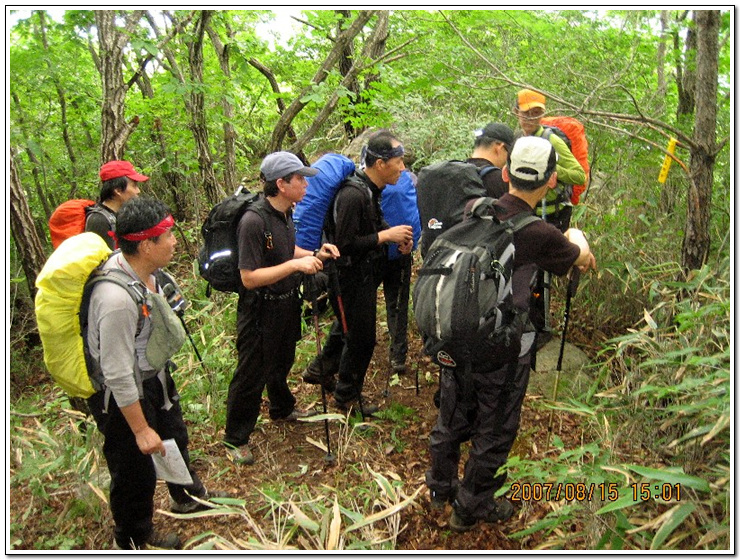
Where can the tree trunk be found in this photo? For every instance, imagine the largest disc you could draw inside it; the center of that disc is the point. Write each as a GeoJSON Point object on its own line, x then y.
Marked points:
{"type": "Point", "coordinates": [344, 38]}
{"type": "Point", "coordinates": [114, 128]}
{"type": "Point", "coordinates": [661, 60]}
{"type": "Point", "coordinates": [173, 179]}
{"type": "Point", "coordinates": [686, 78]}
{"type": "Point", "coordinates": [37, 168]}
{"type": "Point", "coordinates": [198, 113]}
{"type": "Point", "coordinates": [230, 179]}
{"type": "Point", "coordinates": [358, 64]}
{"type": "Point", "coordinates": [696, 241]}
{"type": "Point", "coordinates": [269, 74]}
{"type": "Point", "coordinates": [346, 58]}
{"type": "Point", "coordinates": [71, 174]}
{"type": "Point", "coordinates": [27, 242]}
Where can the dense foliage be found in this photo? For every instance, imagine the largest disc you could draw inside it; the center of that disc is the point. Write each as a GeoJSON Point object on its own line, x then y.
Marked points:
{"type": "Point", "coordinates": [657, 406]}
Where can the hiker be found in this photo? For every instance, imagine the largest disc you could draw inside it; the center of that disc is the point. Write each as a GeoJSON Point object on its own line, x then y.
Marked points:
{"type": "Point", "coordinates": [120, 183]}
{"type": "Point", "coordinates": [138, 406]}
{"type": "Point", "coordinates": [529, 109]}
{"type": "Point", "coordinates": [399, 207]}
{"type": "Point", "coordinates": [490, 148]}
{"type": "Point", "coordinates": [269, 307]}
{"type": "Point", "coordinates": [491, 420]}
{"type": "Point", "coordinates": [357, 227]}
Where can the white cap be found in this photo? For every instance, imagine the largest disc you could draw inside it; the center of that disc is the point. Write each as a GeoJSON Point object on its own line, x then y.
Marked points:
{"type": "Point", "coordinates": [530, 158]}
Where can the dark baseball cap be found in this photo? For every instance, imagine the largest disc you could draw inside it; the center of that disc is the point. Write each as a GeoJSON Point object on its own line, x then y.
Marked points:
{"type": "Point", "coordinates": [280, 164]}
{"type": "Point", "coordinates": [497, 131]}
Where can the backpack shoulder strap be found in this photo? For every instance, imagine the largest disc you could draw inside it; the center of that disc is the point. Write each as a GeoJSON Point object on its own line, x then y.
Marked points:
{"type": "Point", "coordinates": [134, 288]}
{"type": "Point", "coordinates": [137, 292]}
{"type": "Point", "coordinates": [258, 207]}
{"type": "Point", "coordinates": [352, 181]}
{"type": "Point", "coordinates": [98, 208]}
{"type": "Point", "coordinates": [522, 220]}
{"type": "Point", "coordinates": [486, 169]}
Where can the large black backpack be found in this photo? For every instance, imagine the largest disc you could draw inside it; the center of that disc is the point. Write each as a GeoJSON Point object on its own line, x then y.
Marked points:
{"type": "Point", "coordinates": [218, 258]}
{"type": "Point", "coordinates": [442, 191]}
{"type": "Point", "coordinates": [463, 301]}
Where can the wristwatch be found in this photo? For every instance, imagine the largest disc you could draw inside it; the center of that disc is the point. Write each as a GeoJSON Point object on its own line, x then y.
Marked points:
{"type": "Point", "coordinates": [316, 253]}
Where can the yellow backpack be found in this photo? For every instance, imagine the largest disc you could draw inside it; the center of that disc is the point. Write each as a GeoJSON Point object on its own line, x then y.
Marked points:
{"type": "Point", "coordinates": [61, 285]}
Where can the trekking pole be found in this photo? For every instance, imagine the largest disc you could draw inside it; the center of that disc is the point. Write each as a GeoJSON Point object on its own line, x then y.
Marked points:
{"type": "Point", "coordinates": [334, 279]}
{"type": "Point", "coordinates": [329, 458]}
{"type": "Point", "coordinates": [335, 287]}
{"type": "Point", "coordinates": [191, 341]}
{"type": "Point", "coordinates": [545, 283]}
{"type": "Point", "coordinates": [387, 390]}
{"type": "Point", "coordinates": [575, 276]}
{"type": "Point", "coordinates": [178, 305]}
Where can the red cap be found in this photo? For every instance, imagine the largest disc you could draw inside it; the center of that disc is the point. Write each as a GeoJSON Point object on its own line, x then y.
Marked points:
{"type": "Point", "coordinates": [115, 169]}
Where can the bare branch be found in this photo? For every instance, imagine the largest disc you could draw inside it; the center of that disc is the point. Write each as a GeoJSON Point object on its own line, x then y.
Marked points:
{"type": "Point", "coordinates": [297, 105]}
{"type": "Point", "coordinates": [172, 33]}
{"type": "Point", "coordinates": [657, 124]}
{"type": "Point", "coordinates": [316, 27]}
{"type": "Point", "coordinates": [649, 142]}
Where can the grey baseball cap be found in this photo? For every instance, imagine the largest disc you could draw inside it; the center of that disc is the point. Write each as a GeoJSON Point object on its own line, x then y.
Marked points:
{"type": "Point", "coordinates": [280, 164]}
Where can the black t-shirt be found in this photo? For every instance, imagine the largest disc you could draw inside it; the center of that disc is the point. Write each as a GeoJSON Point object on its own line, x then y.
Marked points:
{"type": "Point", "coordinates": [537, 245]}
{"type": "Point", "coordinates": [268, 241]}
{"type": "Point", "coordinates": [494, 184]}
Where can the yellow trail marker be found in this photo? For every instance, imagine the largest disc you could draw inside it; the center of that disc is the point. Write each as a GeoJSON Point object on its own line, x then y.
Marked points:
{"type": "Point", "coordinates": [667, 161]}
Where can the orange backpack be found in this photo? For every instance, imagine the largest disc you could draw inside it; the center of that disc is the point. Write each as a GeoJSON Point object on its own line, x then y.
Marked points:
{"type": "Point", "coordinates": [576, 139]}
{"type": "Point", "coordinates": [68, 219]}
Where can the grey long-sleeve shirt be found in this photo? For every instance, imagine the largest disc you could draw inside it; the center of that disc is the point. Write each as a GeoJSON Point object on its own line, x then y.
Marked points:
{"type": "Point", "coordinates": [112, 320]}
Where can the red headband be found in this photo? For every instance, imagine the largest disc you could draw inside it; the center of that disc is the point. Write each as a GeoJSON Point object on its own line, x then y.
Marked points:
{"type": "Point", "coordinates": [155, 231]}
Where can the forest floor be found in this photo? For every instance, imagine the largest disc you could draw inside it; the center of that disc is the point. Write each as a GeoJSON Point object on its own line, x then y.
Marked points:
{"type": "Point", "coordinates": [398, 450]}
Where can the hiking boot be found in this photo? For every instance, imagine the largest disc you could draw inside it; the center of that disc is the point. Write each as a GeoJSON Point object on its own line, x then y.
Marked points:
{"type": "Point", "coordinates": [368, 408]}
{"type": "Point", "coordinates": [193, 506]}
{"type": "Point", "coordinates": [162, 540]}
{"type": "Point", "coordinates": [398, 366]}
{"type": "Point", "coordinates": [460, 523]}
{"type": "Point", "coordinates": [241, 455]}
{"type": "Point", "coordinates": [438, 500]}
{"type": "Point", "coordinates": [502, 511]}
{"type": "Point", "coordinates": [295, 416]}
{"type": "Point", "coordinates": [314, 375]}
{"type": "Point", "coordinates": [156, 540]}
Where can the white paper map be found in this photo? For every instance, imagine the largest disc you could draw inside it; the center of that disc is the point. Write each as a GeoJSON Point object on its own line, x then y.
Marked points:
{"type": "Point", "coordinates": [172, 466]}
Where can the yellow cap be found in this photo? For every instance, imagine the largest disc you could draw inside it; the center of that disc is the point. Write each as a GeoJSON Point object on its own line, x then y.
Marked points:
{"type": "Point", "coordinates": [528, 99]}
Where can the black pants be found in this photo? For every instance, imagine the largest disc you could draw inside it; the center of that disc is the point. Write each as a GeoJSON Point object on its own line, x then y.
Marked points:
{"type": "Point", "coordinates": [267, 332]}
{"type": "Point", "coordinates": [490, 424]}
{"type": "Point", "coordinates": [537, 310]}
{"type": "Point", "coordinates": [396, 283]}
{"type": "Point", "coordinates": [358, 286]}
{"type": "Point", "coordinates": [133, 478]}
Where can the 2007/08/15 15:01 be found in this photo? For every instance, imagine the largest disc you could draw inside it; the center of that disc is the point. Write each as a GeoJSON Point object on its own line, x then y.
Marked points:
{"type": "Point", "coordinates": [582, 492]}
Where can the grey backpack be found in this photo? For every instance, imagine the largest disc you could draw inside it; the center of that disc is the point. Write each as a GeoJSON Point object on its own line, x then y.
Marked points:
{"type": "Point", "coordinates": [463, 302]}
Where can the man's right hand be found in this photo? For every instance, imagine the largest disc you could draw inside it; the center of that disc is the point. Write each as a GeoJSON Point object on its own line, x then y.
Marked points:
{"type": "Point", "coordinates": [396, 234]}
{"type": "Point", "coordinates": [149, 442]}
{"type": "Point", "coordinates": [308, 265]}
{"type": "Point", "coordinates": [147, 439]}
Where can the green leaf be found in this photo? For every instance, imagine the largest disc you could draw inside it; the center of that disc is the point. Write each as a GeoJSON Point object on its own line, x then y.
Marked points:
{"type": "Point", "coordinates": [674, 519]}
{"type": "Point", "coordinates": [671, 477]}
{"type": "Point", "coordinates": [624, 501]}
